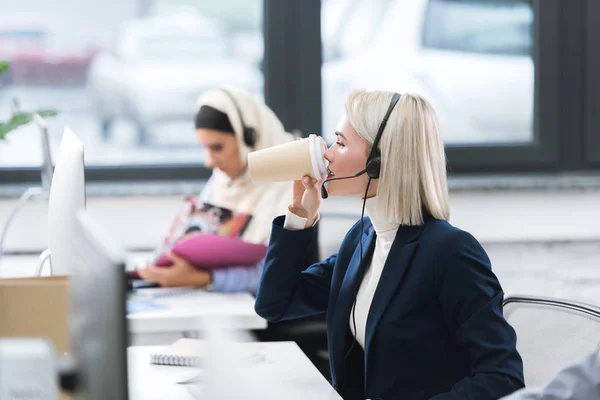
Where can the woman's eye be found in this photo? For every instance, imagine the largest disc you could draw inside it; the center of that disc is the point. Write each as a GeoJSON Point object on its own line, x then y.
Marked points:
{"type": "Point", "coordinates": [340, 144]}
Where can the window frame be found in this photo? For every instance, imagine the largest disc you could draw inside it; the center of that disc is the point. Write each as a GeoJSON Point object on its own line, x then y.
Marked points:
{"type": "Point", "coordinates": [293, 58]}
{"type": "Point", "coordinates": [93, 173]}
{"type": "Point", "coordinates": [592, 87]}
{"type": "Point", "coordinates": [558, 134]}
{"type": "Point", "coordinates": [292, 88]}
{"type": "Point", "coordinates": [543, 151]}
{"type": "Point", "coordinates": [566, 120]}
{"type": "Point", "coordinates": [143, 172]}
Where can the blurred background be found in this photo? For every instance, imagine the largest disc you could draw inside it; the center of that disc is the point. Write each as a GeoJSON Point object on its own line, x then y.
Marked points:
{"type": "Point", "coordinates": [514, 82]}
{"type": "Point", "coordinates": [126, 75]}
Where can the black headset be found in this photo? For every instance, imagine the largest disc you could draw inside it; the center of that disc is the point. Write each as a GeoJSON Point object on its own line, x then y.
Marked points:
{"type": "Point", "coordinates": [249, 133]}
{"type": "Point", "coordinates": [373, 167]}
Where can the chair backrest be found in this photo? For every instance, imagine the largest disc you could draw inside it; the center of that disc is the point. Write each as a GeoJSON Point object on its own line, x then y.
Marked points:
{"type": "Point", "coordinates": [551, 333]}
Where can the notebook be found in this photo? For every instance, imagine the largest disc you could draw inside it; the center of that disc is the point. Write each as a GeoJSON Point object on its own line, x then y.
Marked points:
{"type": "Point", "coordinates": [190, 353]}
{"type": "Point", "coordinates": [183, 353]}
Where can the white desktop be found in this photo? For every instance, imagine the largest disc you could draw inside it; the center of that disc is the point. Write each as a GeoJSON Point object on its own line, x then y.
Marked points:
{"type": "Point", "coordinates": [67, 196]}
{"type": "Point", "coordinates": [283, 372]}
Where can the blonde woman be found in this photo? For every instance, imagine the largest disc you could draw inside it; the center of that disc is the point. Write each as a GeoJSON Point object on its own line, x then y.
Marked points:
{"type": "Point", "coordinates": [413, 308]}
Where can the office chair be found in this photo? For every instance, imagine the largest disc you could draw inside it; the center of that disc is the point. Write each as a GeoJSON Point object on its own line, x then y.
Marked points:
{"type": "Point", "coordinates": [551, 333]}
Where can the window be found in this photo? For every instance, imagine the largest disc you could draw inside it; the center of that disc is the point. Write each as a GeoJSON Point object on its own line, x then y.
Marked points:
{"type": "Point", "coordinates": [471, 59]}
{"type": "Point", "coordinates": [124, 76]}
{"type": "Point", "coordinates": [476, 26]}
{"type": "Point", "coordinates": [514, 81]}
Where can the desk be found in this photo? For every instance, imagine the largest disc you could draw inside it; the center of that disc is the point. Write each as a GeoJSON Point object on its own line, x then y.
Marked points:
{"type": "Point", "coordinates": [285, 373]}
{"type": "Point", "coordinates": [189, 313]}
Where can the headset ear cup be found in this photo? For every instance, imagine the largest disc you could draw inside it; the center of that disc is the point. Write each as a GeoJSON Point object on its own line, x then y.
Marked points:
{"type": "Point", "coordinates": [250, 136]}
{"type": "Point", "coordinates": [374, 167]}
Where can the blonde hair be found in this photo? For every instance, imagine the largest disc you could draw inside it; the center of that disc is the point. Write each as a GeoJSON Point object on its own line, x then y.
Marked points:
{"type": "Point", "coordinates": [413, 161]}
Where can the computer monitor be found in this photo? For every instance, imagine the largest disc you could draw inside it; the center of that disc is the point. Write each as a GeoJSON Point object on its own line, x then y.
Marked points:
{"type": "Point", "coordinates": [97, 317]}
{"type": "Point", "coordinates": [67, 196]}
{"type": "Point", "coordinates": [32, 192]}
{"type": "Point", "coordinates": [47, 169]}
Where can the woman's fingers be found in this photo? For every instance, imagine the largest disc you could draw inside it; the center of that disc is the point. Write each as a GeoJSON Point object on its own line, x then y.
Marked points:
{"type": "Point", "coordinates": [309, 183]}
{"type": "Point", "coordinates": [151, 273]}
{"type": "Point", "coordinates": [297, 193]}
{"type": "Point", "coordinates": [297, 188]}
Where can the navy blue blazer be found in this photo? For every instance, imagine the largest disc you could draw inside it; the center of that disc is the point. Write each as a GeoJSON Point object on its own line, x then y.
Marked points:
{"type": "Point", "coordinates": [435, 329]}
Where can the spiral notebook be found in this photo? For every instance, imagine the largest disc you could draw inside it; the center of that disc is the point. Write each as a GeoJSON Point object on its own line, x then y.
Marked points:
{"type": "Point", "coordinates": [183, 353]}
{"type": "Point", "coordinates": [190, 353]}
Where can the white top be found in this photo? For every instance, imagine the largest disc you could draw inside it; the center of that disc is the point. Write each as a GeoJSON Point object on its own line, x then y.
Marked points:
{"type": "Point", "coordinates": [294, 222]}
{"type": "Point", "coordinates": [386, 232]}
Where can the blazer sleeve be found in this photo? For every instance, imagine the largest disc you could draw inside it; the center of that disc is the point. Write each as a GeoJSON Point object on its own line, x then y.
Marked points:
{"type": "Point", "coordinates": [471, 299]}
{"type": "Point", "coordinates": [288, 289]}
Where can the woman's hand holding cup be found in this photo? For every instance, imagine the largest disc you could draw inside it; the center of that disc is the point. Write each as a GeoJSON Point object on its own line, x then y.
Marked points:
{"type": "Point", "coordinates": [306, 199]}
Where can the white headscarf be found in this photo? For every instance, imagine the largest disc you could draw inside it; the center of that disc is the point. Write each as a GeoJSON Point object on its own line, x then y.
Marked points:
{"type": "Point", "coordinates": [264, 201]}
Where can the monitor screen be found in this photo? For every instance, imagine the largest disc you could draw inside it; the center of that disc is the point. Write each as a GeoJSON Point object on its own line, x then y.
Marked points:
{"type": "Point", "coordinates": [97, 317]}
{"type": "Point", "coordinates": [47, 166]}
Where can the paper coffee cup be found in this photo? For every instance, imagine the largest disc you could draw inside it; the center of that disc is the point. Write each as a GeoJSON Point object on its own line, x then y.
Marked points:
{"type": "Point", "coordinates": [289, 161]}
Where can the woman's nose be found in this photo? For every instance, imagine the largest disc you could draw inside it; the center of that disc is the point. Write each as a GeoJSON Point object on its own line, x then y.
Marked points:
{"type": "Point", "coordinates": [209, 162]}
{"type": "Point", "coordinates": [328, 154]}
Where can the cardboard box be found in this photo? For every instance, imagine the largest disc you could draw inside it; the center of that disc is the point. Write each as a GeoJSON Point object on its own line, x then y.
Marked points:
{"type": "Point", "coordinates": [36, 307]}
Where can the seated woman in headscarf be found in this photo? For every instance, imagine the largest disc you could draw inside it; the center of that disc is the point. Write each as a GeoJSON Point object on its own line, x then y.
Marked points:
{"type": "Point", "coordinates": [229, 124]}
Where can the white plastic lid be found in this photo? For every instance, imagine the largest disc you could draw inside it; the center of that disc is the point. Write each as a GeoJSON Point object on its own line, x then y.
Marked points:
{"type": "Point", "coordinates": [317, 157]}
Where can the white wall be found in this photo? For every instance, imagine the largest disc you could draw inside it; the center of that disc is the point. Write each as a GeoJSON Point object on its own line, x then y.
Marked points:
{"type": "Point", "coordinates": [541, 241]}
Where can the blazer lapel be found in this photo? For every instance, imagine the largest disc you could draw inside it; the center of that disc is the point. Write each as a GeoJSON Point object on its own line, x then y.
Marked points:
{"type": "Point", "coordinates": [395, 267]}
{"type": "Point", "coordinates": [345, 300]}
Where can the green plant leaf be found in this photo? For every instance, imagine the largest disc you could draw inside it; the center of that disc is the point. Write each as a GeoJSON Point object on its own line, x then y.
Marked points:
{"type": "Point", "coordinates": [19, 118]}
{"type": "Point", "coordinates": [22, 118]}
{"type": "Point", "coordinates": [47, 113]}
{"type": "Point", "coordinates": [15, 121]}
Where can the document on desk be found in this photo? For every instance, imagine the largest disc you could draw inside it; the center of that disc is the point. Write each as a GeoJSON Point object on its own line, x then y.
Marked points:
{"type": "Point", "coordinates": [138, 305]}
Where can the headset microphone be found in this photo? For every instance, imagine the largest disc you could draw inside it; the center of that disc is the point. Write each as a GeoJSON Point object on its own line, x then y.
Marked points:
{"type": "Point", "coordinates": [325, 194]}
